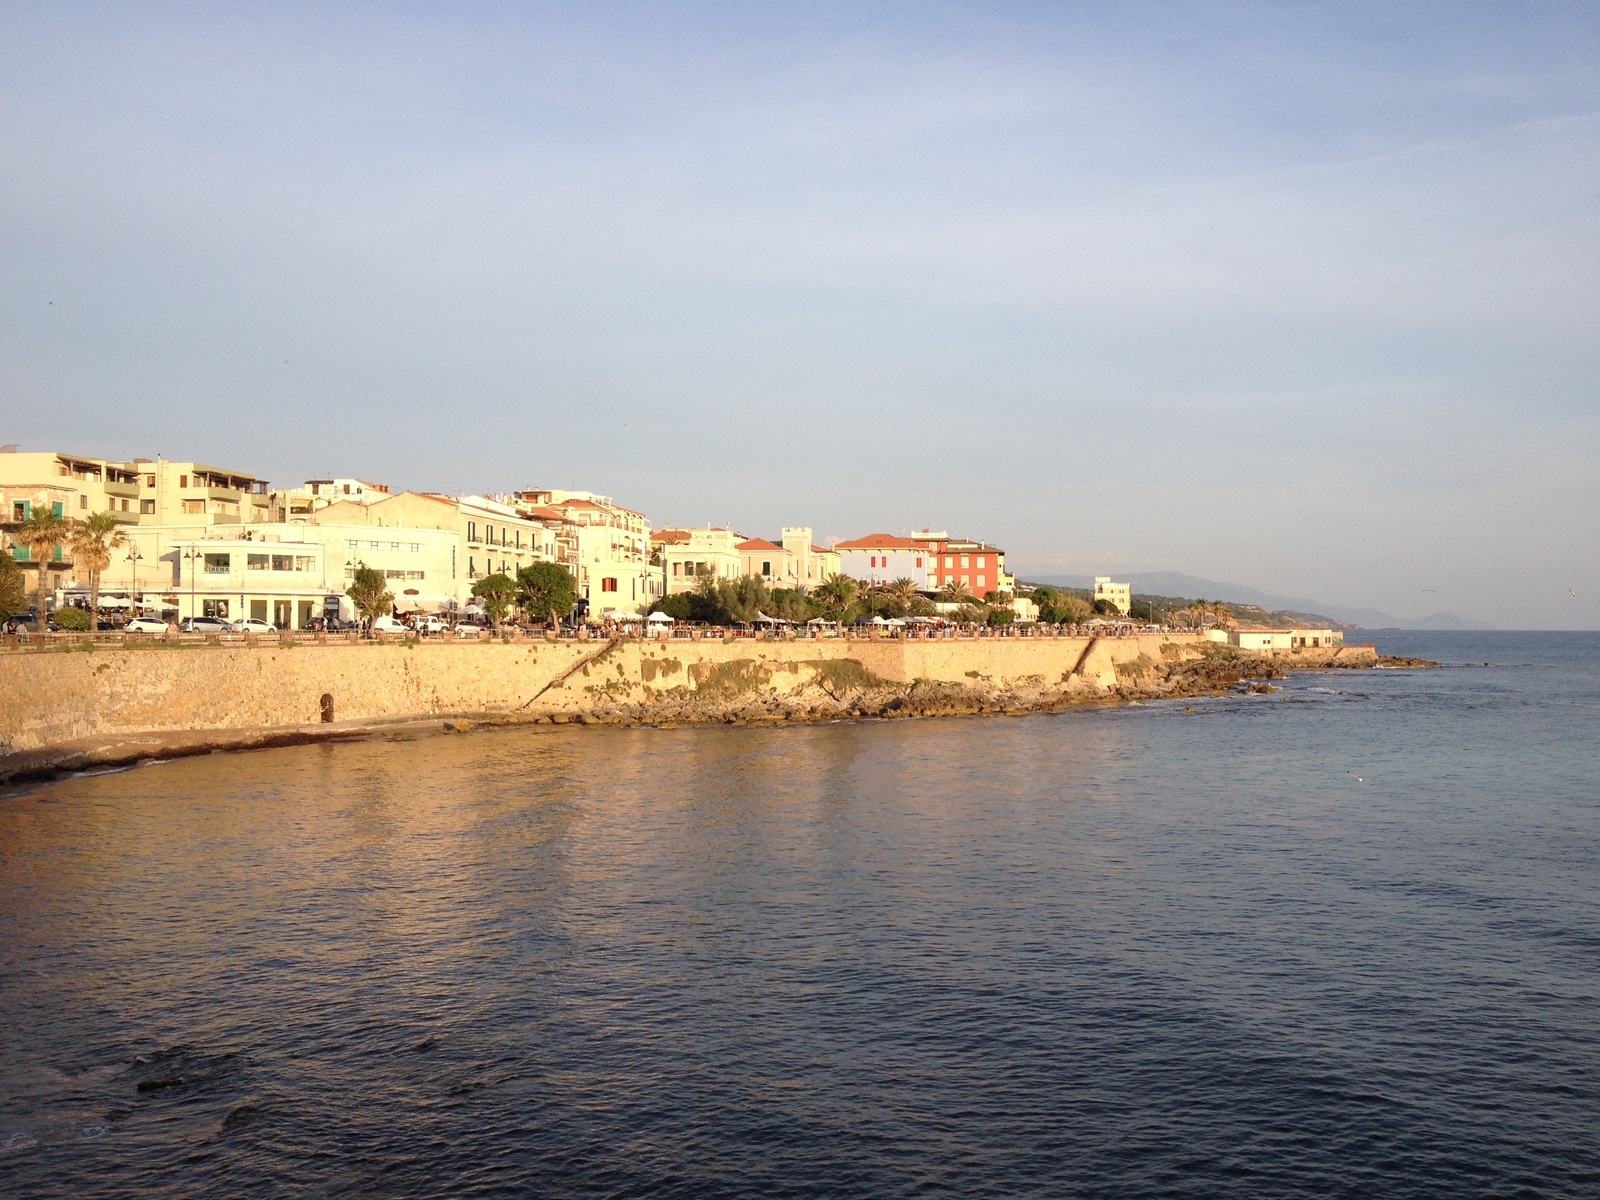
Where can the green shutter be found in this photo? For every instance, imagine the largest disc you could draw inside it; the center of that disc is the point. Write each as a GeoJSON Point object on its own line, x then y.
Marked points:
{"type": "Point", "coordinates": [55, 553]}
{"type": "Point", "coordinates": [20, 553]}
{"type": "Point", "coordinates": [56, 508]}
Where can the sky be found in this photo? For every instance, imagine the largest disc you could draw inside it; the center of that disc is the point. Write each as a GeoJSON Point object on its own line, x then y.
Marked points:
{"type": "Point", "coordinates": [1305, 297]}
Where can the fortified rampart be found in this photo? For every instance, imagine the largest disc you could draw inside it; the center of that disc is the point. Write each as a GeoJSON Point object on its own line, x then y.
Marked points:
{"type": "Point", "coordinates": [76, 699]}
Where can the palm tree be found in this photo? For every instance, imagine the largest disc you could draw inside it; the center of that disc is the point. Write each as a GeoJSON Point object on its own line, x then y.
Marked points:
{"type": "Point", "coordinates": [838, 592]}
{"type": "Point", "coordinates": [955, 592]}
{"type": "Point", "coordinates": [903, 592]}
{"type": "Point", "coordinates": [92, 540]}
{"type": "Point", "coordinates": [1221, 614]}
{"type": "Point", "coordinates": [42, 532]}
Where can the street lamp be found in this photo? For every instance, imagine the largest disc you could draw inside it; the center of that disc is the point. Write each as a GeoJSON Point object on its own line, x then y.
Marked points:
{"type": "Point", "coordinates": [192, 556]}
{"type": "Point", "coordinates": [133, 571]}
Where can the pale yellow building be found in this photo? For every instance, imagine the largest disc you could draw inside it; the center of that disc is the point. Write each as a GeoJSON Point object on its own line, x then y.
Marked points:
{"type": "Point", "coordinates": [495, 538]}
{"type": "Point", "coordinates": [797, 563]}
{"type": "Point", "coordinates": [687, 553]}
{"type": "Point", "coordinates": [298, 504]}
{"type": "Point", "coordinates": [1118, 595]}
{"type": "Point", "coordinates": [608, 547]}
{"type": "Point", "coordinates": [81, 484]}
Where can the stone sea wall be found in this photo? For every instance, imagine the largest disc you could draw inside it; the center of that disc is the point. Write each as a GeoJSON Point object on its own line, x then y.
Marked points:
{"type": "Point", "coordinates": [81, 705]}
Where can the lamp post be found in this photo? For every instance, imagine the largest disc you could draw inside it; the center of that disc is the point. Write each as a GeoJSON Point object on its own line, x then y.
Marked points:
{"type": "Point", "coordinates": [133, 571]}
{"type": "Point", "coordinates": [192, 556]}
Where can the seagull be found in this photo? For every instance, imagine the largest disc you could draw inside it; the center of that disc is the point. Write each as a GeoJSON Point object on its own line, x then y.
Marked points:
{"type": "Point", "coordinates": [1354, 776]}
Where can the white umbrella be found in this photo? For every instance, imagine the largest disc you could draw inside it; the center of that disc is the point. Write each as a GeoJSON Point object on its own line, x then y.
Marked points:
{"type": "Point", "coordinates": [115, 602]}
{"type": "Point", "coordinates": [619, 614]}
{"type": "Point", "coordinates": [659, 618]}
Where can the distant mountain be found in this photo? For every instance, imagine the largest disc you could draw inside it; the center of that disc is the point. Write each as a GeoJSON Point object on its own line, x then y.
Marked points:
{"type": "Point", "coordinates": [1175, 583]}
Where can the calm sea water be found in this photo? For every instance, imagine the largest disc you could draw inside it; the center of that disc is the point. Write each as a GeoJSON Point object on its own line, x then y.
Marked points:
{"type": "Point", "coordinates": [1343, 940]}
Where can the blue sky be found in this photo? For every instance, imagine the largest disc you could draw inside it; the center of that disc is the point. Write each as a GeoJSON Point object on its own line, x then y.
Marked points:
{"type": "Point", "coordinates": [1299, 296]}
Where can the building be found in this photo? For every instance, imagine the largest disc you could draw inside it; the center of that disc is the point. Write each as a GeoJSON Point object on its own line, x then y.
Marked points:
{"type": "Point", "coordinates": [191, 493]}
{"type": "Point", "coordinates": [493, 538]}
{"type": "Point", "coordinates": [1118, 595]}
{"type": "Point", "coordinates": [609, 546]}
{"type": "Point", "coordinates": [978, 566]}
{"type": "Point", "coordinates": [796, 564]}
{"type": "Point", "coordinates": [1315, 639]}
{"type": "Point", "coordinates": [883, 558]}
{"type": "Point", "coordinates": [284, 573]}
{"type": "Point", "coordinates": [142, 491]}
{"type": "Point", "coordinates": [686, 554]}
{"type": "Point", "coordinates": [298, 504]}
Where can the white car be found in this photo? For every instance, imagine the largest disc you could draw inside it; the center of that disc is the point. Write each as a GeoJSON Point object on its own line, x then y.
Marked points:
{"type": "Point", "coordinates": [146, 625]}
{"type": "Point", "coordinates": [468, 630]}
{"type": "Point", "coordinates": [251, 625]}
{"type": "Point", "coordinates": [388, 625]}
{"type": "Point", "coordinates": [427, 625]}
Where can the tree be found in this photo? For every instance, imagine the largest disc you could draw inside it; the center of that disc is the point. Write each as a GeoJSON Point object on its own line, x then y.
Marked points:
{"type": "Point", "coordinates": [41, 533]}
{"type": "Point", "coordinates": [837, 594]}
{"type": "Point", "coordinates": [679, 607]}
{"type": "Point", "coordinates": [71, 618]}
{"type": "Point", "coordinates": [1000, 616]}
{"type": "Point", "coordinates": [955, 592]}
{"type": "Point", "coordinates": [95, 537]}
{"type": "Point", "coordinates": [1221, 615]}
{"type": "Point", "coordinates": [499, 595]}
{"type": "Point", "coordinates": [901, 594]}
{"type": "Point", "coordinates": [1064, 609]}
{"type": "Point", "coordinates": [13, 589]}
{"type": "Point", "coordinates": [369, 593]}
{"type": "Point", "coordinates": [546, 589]}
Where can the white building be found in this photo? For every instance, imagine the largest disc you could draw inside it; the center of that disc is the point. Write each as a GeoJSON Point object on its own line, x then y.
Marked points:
{"type": "Point", "coordinates": [884, 558]}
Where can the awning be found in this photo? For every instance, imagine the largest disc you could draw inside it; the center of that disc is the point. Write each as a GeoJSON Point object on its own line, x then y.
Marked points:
{"type": "Point", "coordinates": [621, 614]}
{"type": "Point", "coordinates": [659, 618]}
{"type": "Point", "coordinates": [424, 604]}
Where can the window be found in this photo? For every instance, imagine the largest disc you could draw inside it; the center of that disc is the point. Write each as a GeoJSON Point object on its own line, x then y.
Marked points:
{"type": "Point", "coordinates": [149, 481]}
{"type": "Point", "coordinates": [215, 608]}
{"type": "Point", "coordinates": [374, 545]}
{"type": "Point", "coordinates": [608, 585]}
{"type": "Point", "coordinates": [488, 534]}
{"type": "Point", "coordinates": [919, 560]}
{"type": "Point", "coordinates": [256, 562]}
{"type": "Point", "coordinates": [401, 546]}
{"type": "Point", "coordinates": [305, 562]}
{"type": "Point", "coordinates": [146, 507]}
{"type": "Point", "coordinates": [472, 567]}
{"type": "Point", "coordinates": [948, 561]}
{"type": "Point", "coordinates": [217, 564]}
{"type": "Point", "coordinates": [83, 502]}
{"type": "Point", "coordinates": [472, 531]}
{"type": "Point", "coordinates": [183, 481]}
{"type": "Point", "coordinates": [416, 547]}
{"type": "Point", "coordinates": [980, 580]}
{"type": "Point", "coordinates": [194, 506]}
{"type": "Point", "coordinates": [766, 568]}
{"type": "Point", "coordinates": [980, 563]}
{"type": "Point", "coordinates": [415, 574]}
{"type": "Point", "coordinates": [394, 574]}
{"type": "Point", "coordinates": [964, 562]}
{"type": "Point", "coordinates": [19, 511]}
{"type": "Point", "coordinates": [283, 562]}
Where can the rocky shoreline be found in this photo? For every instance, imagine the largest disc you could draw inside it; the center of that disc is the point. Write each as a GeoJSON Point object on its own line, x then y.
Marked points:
{"type": "Point", "coordinates": [844, 691]}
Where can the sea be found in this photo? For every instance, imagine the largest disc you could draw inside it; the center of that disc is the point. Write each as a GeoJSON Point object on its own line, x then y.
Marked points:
{"type": "Point", "coordinates": [1342, 940]}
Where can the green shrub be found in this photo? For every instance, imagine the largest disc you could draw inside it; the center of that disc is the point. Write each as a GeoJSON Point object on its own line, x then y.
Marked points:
{"type": "Point", "coordinates": [74, 619]}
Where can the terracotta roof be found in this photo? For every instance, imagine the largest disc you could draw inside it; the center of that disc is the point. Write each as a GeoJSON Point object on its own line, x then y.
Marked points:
{"type": "Point", "coordinates": [758, 544]}
{"type": "Point", "coordinates": [669, 535]}
{"type": "Point", "coordinates": [820, 550]}
{"type": "Point", "coordinates": [879, 541]}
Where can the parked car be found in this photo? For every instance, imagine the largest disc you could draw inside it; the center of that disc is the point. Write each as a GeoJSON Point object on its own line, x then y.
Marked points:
{"type": "Point", "coordinates": [388, 625]}
{"type": "Point", "coordinates": [427, 623]}
{"type": "Point", "coordinates": [251, 625]}
{"type": "Point", "coordinates": [205, 625]}
{"type": "Point", "coordinates": [146, 625]}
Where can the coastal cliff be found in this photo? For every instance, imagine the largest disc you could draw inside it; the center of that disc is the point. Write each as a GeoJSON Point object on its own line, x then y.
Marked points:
{"type": "Point", "coordinates": [71, 709]}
